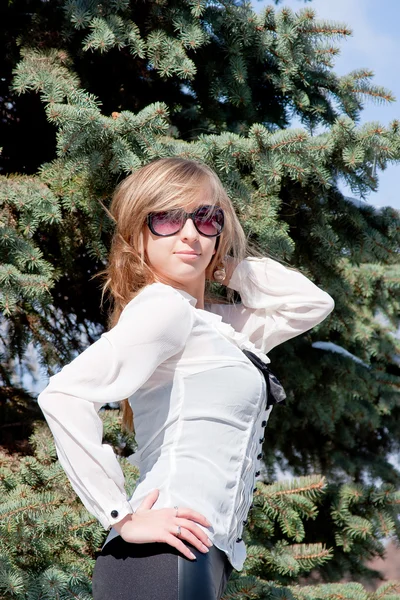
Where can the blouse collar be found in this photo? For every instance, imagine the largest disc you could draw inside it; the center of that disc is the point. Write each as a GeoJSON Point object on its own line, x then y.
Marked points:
{"type": "Point", "coordinates": [241, 340]}
{"type": "Point", "coordinates": [192, 299]}
{"type": "Point", "coordinates": [208, 315]}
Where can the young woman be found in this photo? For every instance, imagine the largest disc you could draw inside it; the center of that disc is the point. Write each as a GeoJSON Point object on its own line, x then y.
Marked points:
{"type": "Point", "coordinates": [176, 359]}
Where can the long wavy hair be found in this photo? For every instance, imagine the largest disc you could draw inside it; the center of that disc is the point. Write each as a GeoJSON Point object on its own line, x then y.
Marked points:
{"type": "Point", "coordinates": [162, 184]}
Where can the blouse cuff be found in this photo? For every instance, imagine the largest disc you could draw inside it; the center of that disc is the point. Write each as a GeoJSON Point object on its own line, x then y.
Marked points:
{"type": "Point", "coordinates": [241, 278]}
{"type": "Point", "coordinates": [114, 514]}
{"type": "Point", "coordinates": [238, 275]}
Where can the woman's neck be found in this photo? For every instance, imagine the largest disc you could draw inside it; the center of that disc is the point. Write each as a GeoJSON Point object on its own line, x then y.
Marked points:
{"type": "Point", "coordinates": [196, 289]}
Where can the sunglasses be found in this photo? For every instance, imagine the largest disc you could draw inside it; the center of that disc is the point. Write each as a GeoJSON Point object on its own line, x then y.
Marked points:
{"type": "Point", "coordinates": [208, 220]}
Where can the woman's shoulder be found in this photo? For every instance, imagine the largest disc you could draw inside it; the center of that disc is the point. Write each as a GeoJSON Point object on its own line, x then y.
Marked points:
{"type": "Point", "coordinates": [157, 311]}
{"type": "Point", "coordinates": [158, 295]}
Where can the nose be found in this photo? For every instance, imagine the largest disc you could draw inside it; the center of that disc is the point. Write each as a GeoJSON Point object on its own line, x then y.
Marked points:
{"type": "Point", "coordinates": [189, 231]}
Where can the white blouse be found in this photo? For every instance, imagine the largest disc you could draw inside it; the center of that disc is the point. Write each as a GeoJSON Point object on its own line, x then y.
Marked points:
{"type": "Point", "coordinates": [199, 403]}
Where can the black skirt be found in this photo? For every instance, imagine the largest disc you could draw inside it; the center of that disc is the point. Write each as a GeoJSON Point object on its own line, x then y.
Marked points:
{"type": "Point", "coordinates": [158, 571]}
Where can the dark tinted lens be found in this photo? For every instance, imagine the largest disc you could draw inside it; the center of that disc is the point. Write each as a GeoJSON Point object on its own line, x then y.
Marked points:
{"type": "Point", "coordinates": [209, 220]}
{"type": "Point", "coordinates": [167, 222]}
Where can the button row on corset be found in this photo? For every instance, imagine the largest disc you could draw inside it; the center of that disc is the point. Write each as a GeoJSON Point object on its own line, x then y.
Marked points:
{"type": "Point", "coordinates": [257, 473]}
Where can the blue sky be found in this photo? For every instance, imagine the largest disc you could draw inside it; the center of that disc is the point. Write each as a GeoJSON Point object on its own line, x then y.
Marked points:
{"type": "Point", "coordinates": [375, 44]}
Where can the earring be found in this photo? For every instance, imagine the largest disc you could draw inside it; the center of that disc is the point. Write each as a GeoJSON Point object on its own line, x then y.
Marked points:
{"type": "Point", "coordinates": [219, 274]}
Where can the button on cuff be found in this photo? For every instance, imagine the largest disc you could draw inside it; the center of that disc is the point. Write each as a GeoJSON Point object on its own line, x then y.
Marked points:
{"type": "Point", "coordinates": [115, 515]}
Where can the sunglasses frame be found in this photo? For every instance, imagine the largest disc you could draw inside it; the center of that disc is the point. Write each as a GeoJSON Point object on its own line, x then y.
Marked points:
{"type": "Point", "coordinates": [187, 216]}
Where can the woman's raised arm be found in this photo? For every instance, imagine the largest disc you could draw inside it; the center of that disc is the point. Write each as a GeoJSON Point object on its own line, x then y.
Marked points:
{"type": "Point", "coordinates": [277, 303]}
{"type": "Point", "coordinates": [152, 327]}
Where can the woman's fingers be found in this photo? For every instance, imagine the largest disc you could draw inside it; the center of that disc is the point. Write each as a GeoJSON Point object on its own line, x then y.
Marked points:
{"type": "Point", "coordinates": [149, 500]}
{"type": "Point", "coordinates": [162, 525]}
{"type": "Point", "coordinates": [189, 513]}
{"type": "Point", "coordinates": [187, 535]}
{"type": "Point", "coordinates": [194, 533]}
{"type": "Point", "coordinates": [176, 543]}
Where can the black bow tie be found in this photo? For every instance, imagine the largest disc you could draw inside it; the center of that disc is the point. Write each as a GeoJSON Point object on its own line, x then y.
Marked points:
{"type": "Point", "coordinates": [275, 391]}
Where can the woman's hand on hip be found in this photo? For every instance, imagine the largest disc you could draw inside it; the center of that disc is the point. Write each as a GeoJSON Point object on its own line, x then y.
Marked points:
{"type": "Point", "coordinates": [161, 525]}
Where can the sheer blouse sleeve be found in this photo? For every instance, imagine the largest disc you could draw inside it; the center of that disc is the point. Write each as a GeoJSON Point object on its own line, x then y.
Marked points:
{"type": "Point", "coordinates": [277, 303]}
{"type": "Point", "coordinates": [152, 327]}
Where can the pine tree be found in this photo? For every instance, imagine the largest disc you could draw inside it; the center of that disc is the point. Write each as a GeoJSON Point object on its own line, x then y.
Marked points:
{"type": "Point", "coordinates": [48, 540]}
{"type": "Point", "coordinates": [121, 83]}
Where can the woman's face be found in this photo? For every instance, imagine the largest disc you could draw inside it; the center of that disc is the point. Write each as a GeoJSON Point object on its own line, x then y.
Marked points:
{"type": "Point", "coordinates": [167, 254]}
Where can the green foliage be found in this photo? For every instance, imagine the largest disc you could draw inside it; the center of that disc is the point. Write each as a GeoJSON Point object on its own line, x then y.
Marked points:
{"type": "Point", "coordinates": [119, 84]}
{"type": "Point", "coordinates": [26, 205]}
{"type": "Point", "coordinates": [48, 540]}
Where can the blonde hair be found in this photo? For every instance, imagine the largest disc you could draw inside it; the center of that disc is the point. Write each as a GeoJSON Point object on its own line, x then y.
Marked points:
{"type": "Point", "coordinates": [162, 184]}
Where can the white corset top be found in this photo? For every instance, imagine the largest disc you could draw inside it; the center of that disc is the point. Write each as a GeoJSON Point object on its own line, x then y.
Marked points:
{"type": "Point", "coordinates": [199, 426]}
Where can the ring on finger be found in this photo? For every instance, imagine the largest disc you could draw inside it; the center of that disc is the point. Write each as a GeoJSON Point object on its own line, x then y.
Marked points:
{"type": "Point", "coordinates": [178, 530]}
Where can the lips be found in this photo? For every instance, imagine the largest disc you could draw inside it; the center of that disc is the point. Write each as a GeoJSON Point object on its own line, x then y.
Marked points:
{"type": "Point", "coordinates": [191, 253]}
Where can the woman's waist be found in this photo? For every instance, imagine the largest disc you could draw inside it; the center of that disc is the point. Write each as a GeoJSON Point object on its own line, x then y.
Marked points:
{"type": "Point", "coordinates": [212, 495]}
{"type": "Point", "coordinates": [216, 442]}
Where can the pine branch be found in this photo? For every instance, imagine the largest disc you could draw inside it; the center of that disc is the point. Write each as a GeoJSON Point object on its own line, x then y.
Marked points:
{"type": "Point", "coordinates": [311, 486]}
